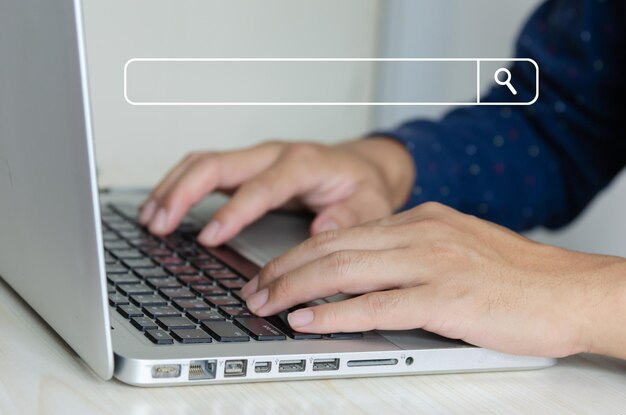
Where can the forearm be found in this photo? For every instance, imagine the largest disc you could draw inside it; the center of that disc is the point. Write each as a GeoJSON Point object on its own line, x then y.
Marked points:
{"type": "Point", "coordinates": [392, 160]}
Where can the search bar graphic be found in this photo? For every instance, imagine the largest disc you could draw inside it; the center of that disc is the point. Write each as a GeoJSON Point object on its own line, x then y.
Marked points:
{"type": "Point", "coordinates": [321, 81]}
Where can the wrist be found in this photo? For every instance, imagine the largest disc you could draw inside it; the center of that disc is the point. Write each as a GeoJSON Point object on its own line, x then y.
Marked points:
{"type": "Point", "coordinates": [393, 162]}
{"type": "Point", "coordinates": [605, 331]}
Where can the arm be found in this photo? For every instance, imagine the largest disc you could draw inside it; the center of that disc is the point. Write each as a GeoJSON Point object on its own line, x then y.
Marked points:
{"type": "Point", "coordinates": [539, 165]}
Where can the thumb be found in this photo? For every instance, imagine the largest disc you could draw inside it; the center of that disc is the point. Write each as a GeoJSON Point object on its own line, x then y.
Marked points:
{"type": "Point", "coordinates": [359, 208]}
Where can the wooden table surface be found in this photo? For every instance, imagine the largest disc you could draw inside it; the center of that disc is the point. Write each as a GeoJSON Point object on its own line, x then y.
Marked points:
{"type": "Point", "coordinates": [41, 374]}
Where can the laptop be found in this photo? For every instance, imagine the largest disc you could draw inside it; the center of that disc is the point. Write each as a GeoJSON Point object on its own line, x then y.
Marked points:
{"type": "Point", "coordinates": [152, 311]}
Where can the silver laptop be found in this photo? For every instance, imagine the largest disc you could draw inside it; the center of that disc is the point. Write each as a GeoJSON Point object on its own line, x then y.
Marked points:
{"type": "Point", "coordinates": [151, 311]}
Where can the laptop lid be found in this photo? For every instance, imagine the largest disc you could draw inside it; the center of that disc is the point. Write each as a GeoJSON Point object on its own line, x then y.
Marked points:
{"type": "Point", "coordinates": [50, 244]}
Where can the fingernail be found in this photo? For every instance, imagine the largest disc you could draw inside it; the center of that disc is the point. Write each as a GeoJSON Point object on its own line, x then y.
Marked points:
{"type": "Point", "coordinates": [258, 300]}
{"type": "Point", "coordinates": [300, 318]}
{"type": "Point", "coordinates": [160, 221]}
{"type": "Point", "coordinates": [208, 235]}
{"type": "Point", "coordinates": [251, 287]}
{"type": "Point", "coordinates": [328, 226]}
{"type": "Point", "coordinates": [147, 211]}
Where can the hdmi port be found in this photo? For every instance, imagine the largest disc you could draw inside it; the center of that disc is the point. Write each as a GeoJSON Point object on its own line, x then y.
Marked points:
{"type": "Point", "coordinates": [287, 366]}
{"type": "Point", "coordinates": [320, 365]}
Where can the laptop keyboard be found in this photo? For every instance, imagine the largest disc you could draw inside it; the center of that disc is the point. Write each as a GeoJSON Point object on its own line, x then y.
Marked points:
{"type": "Point", "coordinates": [175, 291]}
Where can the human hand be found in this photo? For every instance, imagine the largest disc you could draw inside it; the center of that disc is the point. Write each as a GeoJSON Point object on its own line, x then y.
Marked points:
{"type": "Point", "coordinates": [344, 185]}
{"type": "Point", "coordinates": [449, 273]}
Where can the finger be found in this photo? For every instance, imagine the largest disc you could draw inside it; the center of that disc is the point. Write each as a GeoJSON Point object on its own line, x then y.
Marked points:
{"type": "Point", "coordinates": [326, 243]}
{"type": "Point", "coordinates": [150, 206]}
{"type": "Point", "coordinates": [269, 190]}
{"type": "Point", "coordinates": [425, 211]}
{"type": "Point", "coordinates": [364, 205]}
{"type": "Point", "coordinates": [345, 272]}
{"type": "Point", "coordinates": [207, 174]}
{"type": "Point", "coordinates": [401, 309]}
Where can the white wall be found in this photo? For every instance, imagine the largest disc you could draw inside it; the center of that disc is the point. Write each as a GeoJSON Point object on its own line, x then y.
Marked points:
{"type": "Point", "coordinates": [135, 145]}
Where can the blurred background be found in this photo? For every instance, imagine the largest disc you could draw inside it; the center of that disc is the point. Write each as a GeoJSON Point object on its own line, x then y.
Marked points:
{"type": "Point", "coordinates": [135, 145]}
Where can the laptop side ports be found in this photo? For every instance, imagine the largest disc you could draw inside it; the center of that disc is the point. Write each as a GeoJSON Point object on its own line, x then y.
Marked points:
{"type": "Point", "coordinates": [290, 366]}
{"type": "Point", "coordinates": [234, 368]}
{"type": "Point", "coordinates": [321, 365]}
{"type": "Point", "coordinates": [262, 367]}
{"type": "Point", "coordinates": [202, 369]}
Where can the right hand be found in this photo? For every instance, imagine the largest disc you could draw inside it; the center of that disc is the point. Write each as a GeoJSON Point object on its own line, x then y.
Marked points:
{"type": "Point", "coordinates": [344, 185]}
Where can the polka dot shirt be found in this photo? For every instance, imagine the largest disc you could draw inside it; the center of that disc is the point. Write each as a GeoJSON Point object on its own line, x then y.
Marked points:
{"type": "Point", "coordinates": [540, 165]}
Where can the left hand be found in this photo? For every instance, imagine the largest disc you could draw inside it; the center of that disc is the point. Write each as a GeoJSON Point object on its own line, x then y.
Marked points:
{"type": "Point", "coordinates": [446, 272]}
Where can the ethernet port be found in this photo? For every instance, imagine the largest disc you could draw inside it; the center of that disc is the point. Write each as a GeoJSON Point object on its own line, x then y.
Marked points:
{"type": "Point", "coordinates": [202, 369]}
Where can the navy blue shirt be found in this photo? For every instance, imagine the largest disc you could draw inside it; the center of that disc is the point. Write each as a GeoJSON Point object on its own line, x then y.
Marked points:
{"type": "Point", "coordinates": [538, 165]}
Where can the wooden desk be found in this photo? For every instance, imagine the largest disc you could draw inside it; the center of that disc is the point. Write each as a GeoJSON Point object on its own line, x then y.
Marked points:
{"type": "Point", "coordinates": [40, 374]}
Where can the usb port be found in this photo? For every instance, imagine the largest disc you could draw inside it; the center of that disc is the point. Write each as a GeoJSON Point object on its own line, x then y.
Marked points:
{"type": "Point", "coordinates": [320, 365]}
{"type": "Point", "coordinates": [234, 368]}
{"type": "Point", "coordinates": [288, 366]}
{"type": "Point", "coordinates": [262, 367]}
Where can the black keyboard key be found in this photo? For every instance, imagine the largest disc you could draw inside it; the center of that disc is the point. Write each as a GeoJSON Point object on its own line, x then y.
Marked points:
{"type": "Point", "coordinates": [237, 294]}
{"type": "Point", "coordinates": [170, 323]}
{"type": "Point", "coordinates": [144, 242]}
{"type": "Point", "coordinates": [222, 275]}
{"type": "Point", "coordinates": [209, 290]}
{"type": "Point", "coordinates": [143, 323]}
{"type": "Point", "coordinates": [117, 299]}
{"type": "Point", "coordinates": [223, 301]}
{"type": "Point", "coordinates": [139, 263]}
{"type": "Point", "coordinates": [127, 253]}
{"type": "Point", "coordinates": [135, 233]}
{"type": "Point", "coordinates": [109, 260]}
{"type": "Point", "coordinates": [201, 256]}
{"type": "Point", "coordinates": [159, 283]}
{"type": "Point", "coordinates": [235, 284]}
{"type": "Point", "coordinates": [260, 329]}
{"type": "Point", "coordinates": [147, 299]}
{"type": "Point", "coordinates": [116, 269]}
{"type": "Point", "coordinates": [172, 293]}
{"type": "Point", "coordinates": [224, 331]}
{"type": "Point", "coordinates": [111, 288]}
{"type": "Point", "coordinates": [121, 226]}
{"type": "Point", "coordinates": [343, 336]}
{"type": "Point", "coordinates": [169, 260]}
{"type": "Point", "coordinates": [181, 270]}
{"type": "Point", "coordinates": [191, 336]}
{"type": "Point", "coordinates": [119, 279]}
{"type": "Point", "coordinates": [159, 337]}
{"type": "Point", "coordinates": [110, 245]}
{"type": "Point", "coordinates": [131, 289]}
{"type": "Point", "coordinates": [160, 311]}
{"type": "Point", "coordinates": [128, 311]}
{"type": "Point", "coordinates": [208, 265]}
{"type": "Point", "coordinates": [110, 237]}
{"type": "Point", "coordinates": [205, 315]}
{"type": "Point", "coordinates": [194, 279]}
{"type": "Point", "coordinates": [157, 252]}
{"type": "Point", "coordinates": [280, 321]}
{"type": "Point", "coordinates": [187, 251]}
{"type": "Point", "coordinates": [233, 312]}
{"type": "Point", "coordinates": [192, 304]}
{"type": "Point", "coordinates": [153, 272]}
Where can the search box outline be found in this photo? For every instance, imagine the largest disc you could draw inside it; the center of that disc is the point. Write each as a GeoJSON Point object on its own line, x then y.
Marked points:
{"type": "Point", "coordinates": [477, 102]}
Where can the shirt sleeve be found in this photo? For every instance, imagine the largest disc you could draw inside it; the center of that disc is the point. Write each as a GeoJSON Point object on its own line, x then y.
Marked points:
{"type": "Point", "coordinates": [538, 165]}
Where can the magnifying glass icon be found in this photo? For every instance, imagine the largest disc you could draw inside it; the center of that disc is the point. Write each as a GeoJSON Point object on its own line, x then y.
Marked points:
{"type": "Point", "coordinates": [507, 79]}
